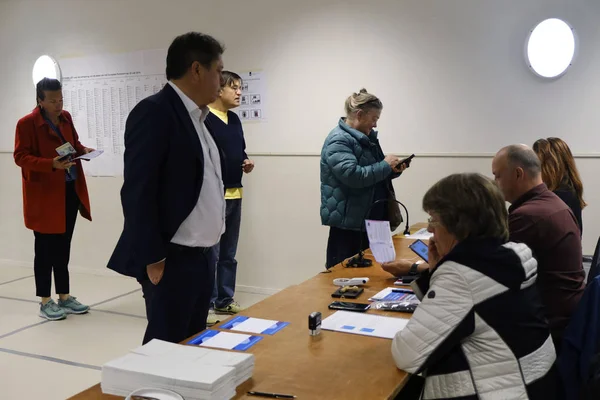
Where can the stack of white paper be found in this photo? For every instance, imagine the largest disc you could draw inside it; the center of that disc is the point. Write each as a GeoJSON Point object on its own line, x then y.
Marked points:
{"type": "Point", "coordinates": [193, 372]}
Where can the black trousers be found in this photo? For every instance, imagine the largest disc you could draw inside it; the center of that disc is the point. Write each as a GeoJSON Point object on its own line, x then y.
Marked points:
{"type": "Point", "coordinates": [344, 243]}
{"type": "Point", "coordinates": [53, 251]}
{"type": "Point", "coordinates": [177, 307]}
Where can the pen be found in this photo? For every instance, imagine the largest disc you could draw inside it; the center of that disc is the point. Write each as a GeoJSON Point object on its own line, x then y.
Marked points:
{"type": "Point", "coordinates": [402, 291]}
{"type": "Point", "coordinates": [272, 395]}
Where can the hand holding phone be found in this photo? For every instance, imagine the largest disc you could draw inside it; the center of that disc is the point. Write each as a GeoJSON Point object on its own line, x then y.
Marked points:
{"type": "Point", "coordinates": [406, 161]}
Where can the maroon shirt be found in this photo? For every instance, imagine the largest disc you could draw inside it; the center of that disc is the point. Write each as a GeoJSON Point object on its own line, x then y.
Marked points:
{"type": "Point", "coordinates": [542, 221]}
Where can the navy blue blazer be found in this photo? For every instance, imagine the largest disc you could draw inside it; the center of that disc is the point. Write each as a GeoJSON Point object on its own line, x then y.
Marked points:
{"type": "Point", "coordinates": [163, 176]}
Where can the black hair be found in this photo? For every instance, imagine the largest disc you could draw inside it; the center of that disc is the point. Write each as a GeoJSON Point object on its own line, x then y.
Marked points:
{"type": "Point", "coordinates": [189, 48]}
{"type": "Point", "coordinates": [228, 78]}
{"type": "Point", "coordinates": [46, 84]}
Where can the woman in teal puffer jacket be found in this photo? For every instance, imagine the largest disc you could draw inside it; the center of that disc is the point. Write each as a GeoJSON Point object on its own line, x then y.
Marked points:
{"type": "Point", "coordinates": [354, 174]}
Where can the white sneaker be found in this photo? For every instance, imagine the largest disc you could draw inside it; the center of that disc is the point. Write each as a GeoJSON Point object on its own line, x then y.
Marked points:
{"type": "Point", "coordinates": [212, 318]}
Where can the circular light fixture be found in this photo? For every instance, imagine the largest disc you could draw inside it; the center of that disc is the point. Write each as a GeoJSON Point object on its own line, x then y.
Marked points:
{"type": "Point", "coordinates": [45, 67]}
{"type": "Point", "coordinates": [551, 48]}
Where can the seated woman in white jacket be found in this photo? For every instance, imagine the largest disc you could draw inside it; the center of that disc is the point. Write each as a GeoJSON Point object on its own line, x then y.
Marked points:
{"type": "Point", "coordinates": [480, 330]}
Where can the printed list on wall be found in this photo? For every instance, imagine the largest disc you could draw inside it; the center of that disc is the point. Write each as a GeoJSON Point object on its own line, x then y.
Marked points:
{"type": "Point", "coordinates": [100, 92]}
{"type": "Point", "coordinates": [252, 104]}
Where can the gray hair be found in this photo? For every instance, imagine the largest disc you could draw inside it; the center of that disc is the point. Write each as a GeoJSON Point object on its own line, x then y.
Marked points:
{"type": "Point", "coordinates": [362, 101]}
{"type": "Point", "coordinates": [469, 206]}
{"type": "Point", "coordinates": [520, 155]}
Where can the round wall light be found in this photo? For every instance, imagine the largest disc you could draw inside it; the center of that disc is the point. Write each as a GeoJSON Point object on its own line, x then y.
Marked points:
{"type": "Point", "coordinates": [551, 47]}
{"type": "Point", "coordinates": [45, 67]}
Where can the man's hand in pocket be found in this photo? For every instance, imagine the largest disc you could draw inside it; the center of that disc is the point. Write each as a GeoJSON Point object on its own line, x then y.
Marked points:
{"type": "Point", "coordinates": [155, 271]}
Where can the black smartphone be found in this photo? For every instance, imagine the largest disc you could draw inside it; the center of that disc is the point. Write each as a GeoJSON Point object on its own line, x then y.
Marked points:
{"type": "Point", "coordinates": [406, 161]}
{"type": "Point", "coordinates": [421, 249]}
{"type": "Point", "coordinates": [347, 306]}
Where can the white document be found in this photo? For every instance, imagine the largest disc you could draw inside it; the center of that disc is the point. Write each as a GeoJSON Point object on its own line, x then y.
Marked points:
{"type": "Point", "coordinates": [90, 156]}
{"type": "Point", "coordinates": [100, 91]}
{"type": "Point", "coordinates": [226, 340]}
{"type": "Point", "coordinates": [364, 324]}
{"type": "Point", "coordinates": [254, 93]}
{"type": "Point", "coordinates": [380, 240]}
{"type": "Point", "coordinates": [255, 325]}
{"type": "Point", "coordinates": [422, 234]}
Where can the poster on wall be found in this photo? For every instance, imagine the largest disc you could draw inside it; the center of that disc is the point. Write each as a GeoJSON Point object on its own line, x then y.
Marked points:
{"type": "Point", "coordinates": [252, 104]}
{"type": "Point", "coordinates": [100, 92]}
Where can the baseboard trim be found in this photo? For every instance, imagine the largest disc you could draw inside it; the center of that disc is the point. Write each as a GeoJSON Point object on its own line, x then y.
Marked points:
{"type": "Point", "coordinates": [256, 290]}
{"type": "Point", "coordinates": [108, 272]}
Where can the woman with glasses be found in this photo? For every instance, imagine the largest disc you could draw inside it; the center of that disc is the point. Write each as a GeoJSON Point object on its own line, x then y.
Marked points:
{"type": "Point", "coordinates": [480, 330]}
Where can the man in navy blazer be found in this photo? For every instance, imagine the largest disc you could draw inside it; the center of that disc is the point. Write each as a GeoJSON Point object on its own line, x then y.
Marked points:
{"type": "Point", "coordinates": [172, 194]}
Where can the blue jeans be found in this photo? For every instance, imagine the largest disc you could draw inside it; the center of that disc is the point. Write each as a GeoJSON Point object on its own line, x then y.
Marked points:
{"type": "Point", "coordinates": [225, 252]}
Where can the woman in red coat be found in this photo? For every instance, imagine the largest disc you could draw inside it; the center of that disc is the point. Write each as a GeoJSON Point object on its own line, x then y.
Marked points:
{"type": "Point", "coordinates": [54, 191]}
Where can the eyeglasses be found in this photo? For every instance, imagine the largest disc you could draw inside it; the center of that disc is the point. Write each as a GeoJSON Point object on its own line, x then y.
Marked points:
{"type": "Point", "coordinates": [432, 223]}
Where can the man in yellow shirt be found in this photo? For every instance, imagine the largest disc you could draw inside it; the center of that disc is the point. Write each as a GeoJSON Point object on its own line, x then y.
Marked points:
{"type": "Point", "coordinates": [226, 128]}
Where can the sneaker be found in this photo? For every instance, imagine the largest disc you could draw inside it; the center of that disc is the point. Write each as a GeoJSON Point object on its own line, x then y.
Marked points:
{"type": "Point", "coordinates": [232, 308]}
{"type": "Point", "coordinates": [72, 306]}
{"type": "Point", "coordinates": [212, 318]}
{"type": "Point", "coordinates": [51, 311]}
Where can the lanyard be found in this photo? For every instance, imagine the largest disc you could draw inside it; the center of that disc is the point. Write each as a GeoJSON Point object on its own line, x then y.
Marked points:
{"type": "Point", "coordinates": [56, 130]}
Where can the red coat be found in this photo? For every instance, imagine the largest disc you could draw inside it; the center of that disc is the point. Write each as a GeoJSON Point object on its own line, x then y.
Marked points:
{"type": "Point", "coordinates": [43, 186]}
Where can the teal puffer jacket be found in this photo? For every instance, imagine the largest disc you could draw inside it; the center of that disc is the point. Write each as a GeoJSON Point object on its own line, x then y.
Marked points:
{"type": "Point", "coordinates": [352, 163]}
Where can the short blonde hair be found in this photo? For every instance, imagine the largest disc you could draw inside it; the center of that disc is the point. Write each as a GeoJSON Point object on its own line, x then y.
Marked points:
{"type": "Point", "coordinates": [469, 206]}
{"type": "Point", "coordinates": [362, 101]}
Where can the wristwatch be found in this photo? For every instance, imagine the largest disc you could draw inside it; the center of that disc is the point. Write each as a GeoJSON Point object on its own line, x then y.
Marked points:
{"type": "Point", "coordinates": [414, 269]}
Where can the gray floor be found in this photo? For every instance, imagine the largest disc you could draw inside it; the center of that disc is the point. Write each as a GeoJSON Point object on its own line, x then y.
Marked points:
{"type": "Point", "coordinates": [54, 360]}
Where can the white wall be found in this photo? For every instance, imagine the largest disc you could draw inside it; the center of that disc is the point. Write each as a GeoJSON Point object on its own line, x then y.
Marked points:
{"type": "Point", "coordinates": [427, 59]}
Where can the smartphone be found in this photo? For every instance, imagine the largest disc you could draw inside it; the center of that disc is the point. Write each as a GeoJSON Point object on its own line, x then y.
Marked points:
{"type": "Point", "coordinates": [347, 306]}
{"type": "Point", "coordinates": [421, 249]}
{"type": "Point", "coordinates": [406, 161]}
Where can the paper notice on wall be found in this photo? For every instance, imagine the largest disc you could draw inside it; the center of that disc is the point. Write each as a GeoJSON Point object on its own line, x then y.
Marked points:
{"type": "Point", "coordinates": [100, 92]}
{"type": "Point", "coordinates": [254, 97]}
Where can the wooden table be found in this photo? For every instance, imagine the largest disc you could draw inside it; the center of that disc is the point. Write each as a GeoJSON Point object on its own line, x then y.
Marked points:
{"type": "Point", "coordinates": [332, 365]}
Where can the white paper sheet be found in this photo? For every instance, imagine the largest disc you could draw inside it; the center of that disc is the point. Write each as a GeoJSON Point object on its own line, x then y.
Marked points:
{"type": "Point", "coordinates": [364, 324]}
{"type": "Point", "coordinates": [380, 240]}
{"type": "Point", "coordinates": [422, 234]}
{"type": "Point", "coordinates": [255, 325]}
{"type": "Point", "coordinates": [90, 156]}
{"type": "Point", "coordinates": [100, 91]}
{"type": "Point", "coordinates": [254, 97]}
{"type": "Point", "coordinates": [225, 340]}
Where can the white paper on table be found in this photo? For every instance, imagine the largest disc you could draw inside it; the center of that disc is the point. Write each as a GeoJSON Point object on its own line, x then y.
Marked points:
{"type": "Point", "coordinates": [364, 324]}
{"type": "Point", "coordinates": [225, 340]}
{"type": "Point", "coordinates": [422, 234]}
{"type": "Point", "coordinates": [255, 325]}
{"type": "Point", "coordinates": [380, 240]}
{"type": "Point", "coordinates": [90, 156]}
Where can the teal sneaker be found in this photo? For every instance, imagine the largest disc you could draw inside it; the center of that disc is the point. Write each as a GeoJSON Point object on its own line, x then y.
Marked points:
{"type": "Point", "coordinates": [51, 311]}
{"type": "Point", "coordinates": [72, 306]}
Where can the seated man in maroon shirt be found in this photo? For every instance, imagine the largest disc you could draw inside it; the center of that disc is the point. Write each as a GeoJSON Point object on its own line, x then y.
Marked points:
{"type": "Point", "coordinates": [541, 220]}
